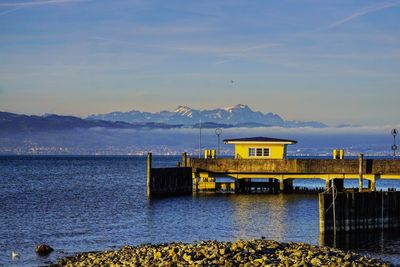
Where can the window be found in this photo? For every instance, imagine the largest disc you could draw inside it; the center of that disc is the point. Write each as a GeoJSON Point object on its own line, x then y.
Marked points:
{"type": "Point", "coordinates": [252, 152]}
{"type": "Point", "coordinates": [259, 152]}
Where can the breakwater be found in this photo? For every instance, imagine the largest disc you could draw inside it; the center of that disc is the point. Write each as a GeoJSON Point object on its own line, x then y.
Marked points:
{"type": "Point", "coordinates": [168, 181]}
{"type": "Point", "coordinates": [352, 211]}
{"type": "Point", "coordinates": [213, 253]}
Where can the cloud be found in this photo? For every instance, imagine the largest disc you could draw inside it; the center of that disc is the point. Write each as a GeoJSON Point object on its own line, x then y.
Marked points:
{"type": "Point", "coordinates": [37, 3]}
{"type": "Point", "coordinates": [9, 11]}
{"type": "Point", "coordinates": [219, 50]}
{"type": "Point", "coordinates": [278, 131]}
{"type": "Point", "coordinates": [166, 30]}
{"type": "Point", "coordinates": [20, 5]}
{"type": "Point", "coordinates": [365, 11]}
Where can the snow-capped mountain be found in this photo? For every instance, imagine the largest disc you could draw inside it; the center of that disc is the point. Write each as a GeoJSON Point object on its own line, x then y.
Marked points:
{"type": "Point", "coordinates": [237, 115]}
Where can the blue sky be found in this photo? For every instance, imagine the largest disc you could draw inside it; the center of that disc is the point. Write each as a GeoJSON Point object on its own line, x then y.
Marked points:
{"type": "Point", "coordinates": [333, 61]}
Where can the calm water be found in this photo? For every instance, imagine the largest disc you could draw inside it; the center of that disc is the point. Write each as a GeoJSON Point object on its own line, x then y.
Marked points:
{"type": "Point", "coordinates": [80, 204]}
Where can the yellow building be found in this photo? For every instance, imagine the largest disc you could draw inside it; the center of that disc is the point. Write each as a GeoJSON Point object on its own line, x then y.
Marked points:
{"type": "Point", "coordinates": [260, 147]}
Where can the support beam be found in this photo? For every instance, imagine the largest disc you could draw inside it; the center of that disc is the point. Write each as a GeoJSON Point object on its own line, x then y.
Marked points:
{"type": "Point", "coordinates": [371, 185]}
{"type": "Point", "coordinates": [281, 185]}
{"type": "Point", "coordinates": [195, 182]}
{"type": "Point", "coordinates": [286, 185]}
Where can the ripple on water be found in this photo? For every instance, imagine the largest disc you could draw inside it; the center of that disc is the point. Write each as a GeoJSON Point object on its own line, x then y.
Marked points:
{"type": "Point", "coordinates": [93, 203]}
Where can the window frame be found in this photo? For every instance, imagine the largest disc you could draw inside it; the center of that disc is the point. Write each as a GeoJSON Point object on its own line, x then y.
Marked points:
{"type": "Point", "coordinates": [251, 152]}
{"type": "Point", "coordinates": [259, 152]}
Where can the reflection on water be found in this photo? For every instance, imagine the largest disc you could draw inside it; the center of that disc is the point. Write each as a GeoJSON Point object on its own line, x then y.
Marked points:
{"type": "Point", "coordinates": [229, 217]}
{"type": "Point", "coordinates": [262, 212]}
{"type": "Point", "coordinates": [373, 242]}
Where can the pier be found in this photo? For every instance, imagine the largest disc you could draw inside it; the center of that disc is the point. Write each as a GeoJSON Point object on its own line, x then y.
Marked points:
{"type": "Point", "coordinates": [269, 175]}
{"type": "Point", "coordinates": [282, 172]}
{"type": "Point", "coordinates": [260, 166]}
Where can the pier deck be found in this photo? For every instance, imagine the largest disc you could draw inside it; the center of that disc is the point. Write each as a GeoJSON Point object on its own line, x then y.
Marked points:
{"type": "Point", "coordinates": [285, 170]}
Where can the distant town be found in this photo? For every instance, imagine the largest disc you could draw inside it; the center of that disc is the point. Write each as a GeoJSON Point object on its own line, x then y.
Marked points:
{"type": "Point", "coordinates": [34, 149]}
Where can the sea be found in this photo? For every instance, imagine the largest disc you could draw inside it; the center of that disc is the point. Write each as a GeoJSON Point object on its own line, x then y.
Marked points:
{"type": "Point", "coordinates": [91, 203]}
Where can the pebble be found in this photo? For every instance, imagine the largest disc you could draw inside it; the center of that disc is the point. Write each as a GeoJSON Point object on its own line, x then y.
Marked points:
{"type": "Point", "coordinates": [258, 252]}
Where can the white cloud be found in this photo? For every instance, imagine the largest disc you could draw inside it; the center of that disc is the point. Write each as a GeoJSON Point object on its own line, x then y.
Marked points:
{"type": "Point", "coordinates": [36, 3]}
{"type": "Point", "coordinates": [21, 5]}
{"type": "Point", "coordinates": [280, 131]}
{"type": "Point", "coordinates": [365, 11]}
{"type": "Point", "coordinates": [223, 51]}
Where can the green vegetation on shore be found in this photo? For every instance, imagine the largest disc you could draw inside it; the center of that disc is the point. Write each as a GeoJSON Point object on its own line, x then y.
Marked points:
{"type": "Point", "coordinates": [213, 253]}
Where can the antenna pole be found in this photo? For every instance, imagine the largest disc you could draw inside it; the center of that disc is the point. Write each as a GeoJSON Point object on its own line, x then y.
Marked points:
{"type": "Point", "coordinates": [200, 139]}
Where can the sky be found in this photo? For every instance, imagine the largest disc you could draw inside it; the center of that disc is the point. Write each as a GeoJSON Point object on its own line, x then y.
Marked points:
{"type": "Point", "coordinates": [331, 61]}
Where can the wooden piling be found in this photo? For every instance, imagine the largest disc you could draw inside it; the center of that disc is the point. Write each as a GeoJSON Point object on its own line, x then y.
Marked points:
{"type": "Point", "coordinates": [149, 159]}
{"type": "Point", "coordinates": [360, 171]}
{"type": "Point", "coordinates": [322, 216]}
{"type": "Point", "coordinates": [184, 159]}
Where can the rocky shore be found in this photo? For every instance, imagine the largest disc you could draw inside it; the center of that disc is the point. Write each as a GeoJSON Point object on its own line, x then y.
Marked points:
{"type": "Point", "coordinates": [213, 253]}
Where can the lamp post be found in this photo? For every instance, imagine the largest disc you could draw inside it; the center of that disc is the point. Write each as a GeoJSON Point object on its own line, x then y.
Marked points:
{"type": "Point", "coordinates": [200, 139]}
{"type": "Point", "coordinates": [394, 146]}
{"type": "Point", "coordinates": [218, 132]}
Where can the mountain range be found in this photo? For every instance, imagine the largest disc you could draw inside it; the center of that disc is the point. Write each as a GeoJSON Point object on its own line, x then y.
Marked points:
{"type": "Point", "coordinates": [237, 116]}
{"type": "Point", "coordinates": [17, 123]}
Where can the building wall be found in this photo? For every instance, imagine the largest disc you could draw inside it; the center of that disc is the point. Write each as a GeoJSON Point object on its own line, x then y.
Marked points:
{"type": "Point", "coordinates": [277, 151]}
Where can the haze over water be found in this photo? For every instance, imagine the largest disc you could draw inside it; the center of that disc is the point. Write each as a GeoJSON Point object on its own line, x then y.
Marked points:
{"type": "Point", "coordinates": [78, 204]}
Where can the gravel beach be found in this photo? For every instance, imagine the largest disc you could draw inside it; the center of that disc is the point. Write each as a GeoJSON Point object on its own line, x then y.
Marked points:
{"type": "Point", "coordinates": [257, 252]}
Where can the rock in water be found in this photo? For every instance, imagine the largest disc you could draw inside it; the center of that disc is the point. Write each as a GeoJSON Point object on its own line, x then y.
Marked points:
{"type": "Point", "coordinates": [43, 249]}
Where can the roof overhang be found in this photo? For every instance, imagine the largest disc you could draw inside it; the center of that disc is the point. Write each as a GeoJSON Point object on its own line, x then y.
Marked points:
{"type": "Point", "coordinates": [260, 142]}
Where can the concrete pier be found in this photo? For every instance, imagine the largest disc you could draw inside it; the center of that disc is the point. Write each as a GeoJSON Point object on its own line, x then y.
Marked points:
{"type": "Point", "coordinates": [271, 175]}
{"type": "Point", "coordinates": [283, 171]}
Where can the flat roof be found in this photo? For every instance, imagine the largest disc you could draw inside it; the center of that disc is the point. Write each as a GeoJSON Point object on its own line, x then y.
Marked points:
{"type": "Point", "coordinates": [259, 139]}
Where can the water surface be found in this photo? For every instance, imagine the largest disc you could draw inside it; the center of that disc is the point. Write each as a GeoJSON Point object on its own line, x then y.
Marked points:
{"type": "Point", "coordinates": [80, 204]}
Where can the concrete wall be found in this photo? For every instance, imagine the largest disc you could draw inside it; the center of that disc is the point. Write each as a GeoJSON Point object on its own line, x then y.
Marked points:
{"type": "Point", "coordinates": [359, 211]}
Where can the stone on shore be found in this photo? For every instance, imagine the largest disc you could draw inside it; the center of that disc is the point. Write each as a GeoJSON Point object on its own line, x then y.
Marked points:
{"type": "Point", "coordinates": [214, 253]}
